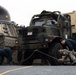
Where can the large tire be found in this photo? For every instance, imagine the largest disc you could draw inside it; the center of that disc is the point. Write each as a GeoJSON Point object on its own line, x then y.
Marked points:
{"type": "Point", "coordinates": [54, 51]}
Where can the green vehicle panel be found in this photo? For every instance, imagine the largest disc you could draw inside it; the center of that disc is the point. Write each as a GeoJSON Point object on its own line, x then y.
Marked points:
{"type": "Point", "coordinates": [44, 28]}
{"type": "Point", "coordinates": [42, 37]}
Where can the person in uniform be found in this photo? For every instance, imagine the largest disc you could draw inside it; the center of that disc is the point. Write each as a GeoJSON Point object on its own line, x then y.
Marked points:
{"type": "Point", "coordinates": [70, 54]}
{"type": "Point", "coordinates": [5, 53]}
{"type": "Point", "coordinates": [68, 43]}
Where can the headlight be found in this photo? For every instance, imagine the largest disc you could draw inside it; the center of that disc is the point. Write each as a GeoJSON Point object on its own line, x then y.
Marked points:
{"type": "Point", "coordinates": [16, 42]}
{"type": "Point", "coordinates": [46, 39]}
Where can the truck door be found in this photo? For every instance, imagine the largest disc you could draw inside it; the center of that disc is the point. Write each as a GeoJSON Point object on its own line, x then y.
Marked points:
{"type": "Point", "coordinates": [67, 27]}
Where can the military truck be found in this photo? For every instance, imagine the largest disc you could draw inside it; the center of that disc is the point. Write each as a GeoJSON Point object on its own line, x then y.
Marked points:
{"type": "Point", "coordinates": [41, 39]}
{"type": "Point", "coordinates": [8, 30]}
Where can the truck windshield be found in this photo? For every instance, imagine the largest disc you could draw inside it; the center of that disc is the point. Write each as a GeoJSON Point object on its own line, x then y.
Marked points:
{"type": "Point", "coordinates": [51, 22]}
{"type": "Point", "coordinates": [38, 22]}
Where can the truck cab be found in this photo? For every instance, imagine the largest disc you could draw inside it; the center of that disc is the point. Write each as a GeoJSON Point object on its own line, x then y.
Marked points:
{"type": "Point", "coordinates": [44, 33]}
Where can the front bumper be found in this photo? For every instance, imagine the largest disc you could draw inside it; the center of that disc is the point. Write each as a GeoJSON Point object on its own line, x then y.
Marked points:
{"type": "Point", "coordinates": [36, 46]}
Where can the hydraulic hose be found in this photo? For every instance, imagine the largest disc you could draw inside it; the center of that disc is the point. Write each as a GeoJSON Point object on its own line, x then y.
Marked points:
{"type": "Point", "coordinates": [39, 52]}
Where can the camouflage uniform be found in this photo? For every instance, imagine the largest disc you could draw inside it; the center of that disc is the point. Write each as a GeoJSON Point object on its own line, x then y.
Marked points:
{"type": "Point", "coordinates": [70, 54]}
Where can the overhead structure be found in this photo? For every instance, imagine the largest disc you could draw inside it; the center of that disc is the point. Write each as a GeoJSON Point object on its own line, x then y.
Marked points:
{"type": "Point", "coordinates": [4, 15]}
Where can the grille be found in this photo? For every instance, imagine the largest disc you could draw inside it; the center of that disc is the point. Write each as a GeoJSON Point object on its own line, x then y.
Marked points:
{"type": "Point", "coordinates": [30, 37]}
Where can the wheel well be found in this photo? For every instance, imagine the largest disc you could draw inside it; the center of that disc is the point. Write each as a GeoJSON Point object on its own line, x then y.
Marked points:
{"type": "Point", "coordinates": [56, 40]}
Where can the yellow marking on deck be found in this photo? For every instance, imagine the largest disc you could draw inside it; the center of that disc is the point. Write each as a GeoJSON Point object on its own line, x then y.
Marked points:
{"type": "Point", "coordinates": [16, 69]}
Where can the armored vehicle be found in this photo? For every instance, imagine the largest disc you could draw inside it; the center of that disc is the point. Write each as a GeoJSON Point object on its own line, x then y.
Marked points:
{"type": "Point", "coordinates": [41, 40]}
{"type": "Point", "coordinates": [8, 30]}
